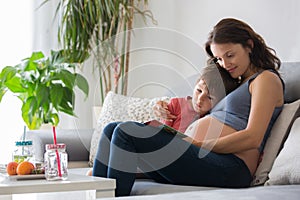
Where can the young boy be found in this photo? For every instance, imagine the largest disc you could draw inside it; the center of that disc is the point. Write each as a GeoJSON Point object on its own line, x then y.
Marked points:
{"type": "Point", "coordinates": [213, 84]}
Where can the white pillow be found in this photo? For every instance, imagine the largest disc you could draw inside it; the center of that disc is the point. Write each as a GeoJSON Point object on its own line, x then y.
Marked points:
{"type": "Point", "coordinates": [278, 133]}
{"type": "Point", "coordinates": [118, 107]}
{"type": "Point", "coordinates": [286, 168]}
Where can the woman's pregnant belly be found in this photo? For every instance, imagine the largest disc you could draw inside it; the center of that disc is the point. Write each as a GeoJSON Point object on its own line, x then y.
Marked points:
{"type": "Point", "coordinates": [210, 128]}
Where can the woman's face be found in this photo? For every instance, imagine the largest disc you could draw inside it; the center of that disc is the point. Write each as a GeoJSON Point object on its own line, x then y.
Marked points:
{"type": "Point", "coordinates": [201, 101]}
{"type": "Point", "coordinates": [233, 57]}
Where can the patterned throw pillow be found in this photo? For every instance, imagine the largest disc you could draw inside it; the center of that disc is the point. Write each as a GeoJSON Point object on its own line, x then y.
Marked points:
{"type": "Point", "coordinates": [118, 107]}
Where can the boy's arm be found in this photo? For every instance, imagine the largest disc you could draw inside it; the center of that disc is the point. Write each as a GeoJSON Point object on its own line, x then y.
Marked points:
{"type": "Point", "coordinates": [160, 110]}
{"type": "Point", "coordinates": [172, 105]}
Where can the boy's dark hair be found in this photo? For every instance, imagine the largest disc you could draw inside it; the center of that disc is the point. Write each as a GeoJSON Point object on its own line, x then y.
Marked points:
{"type": "Point", "coordinates": [218, 80]}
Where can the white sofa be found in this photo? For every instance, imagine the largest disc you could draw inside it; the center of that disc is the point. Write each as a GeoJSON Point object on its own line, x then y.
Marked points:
{"type": "Point", "coordinates": [275, 180]}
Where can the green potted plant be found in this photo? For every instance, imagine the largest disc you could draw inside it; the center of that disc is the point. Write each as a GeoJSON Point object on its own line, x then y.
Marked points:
{"type": "Point", "coordinates": [45, 85]}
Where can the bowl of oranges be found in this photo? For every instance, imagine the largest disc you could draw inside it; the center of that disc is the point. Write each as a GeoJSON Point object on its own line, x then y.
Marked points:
{"type": "Point", "coordinates": [24, 170]}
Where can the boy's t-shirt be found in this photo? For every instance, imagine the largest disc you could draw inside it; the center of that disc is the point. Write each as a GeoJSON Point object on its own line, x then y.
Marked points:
{"type": "Point", "coordinates": [183, 110]}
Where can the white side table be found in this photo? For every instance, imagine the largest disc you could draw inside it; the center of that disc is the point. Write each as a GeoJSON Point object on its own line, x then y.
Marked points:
{"type": "Point", "coordinates": [99, 187]}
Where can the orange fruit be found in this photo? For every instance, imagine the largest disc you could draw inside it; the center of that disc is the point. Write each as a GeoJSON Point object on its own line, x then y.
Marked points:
{"type": "Point", "coordinates": [11, 168]}
{"type": "Point", "coordinates": [25, 168]}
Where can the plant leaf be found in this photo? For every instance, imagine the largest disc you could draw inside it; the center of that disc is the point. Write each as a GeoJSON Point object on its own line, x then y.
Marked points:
{"type": "Point", "coordinates": [15, 85]}
{"type": "Point", "coordinates": [36, 123]}
{"type": "Point", "coordinates": [56, 95]}
{"type": "Point", "coordinates": [82, 84]}
{"type": "Point", "coordinates": [29, 109]}
{"type": "Point", "coordinates": [7, 73]}
{"type": "Point", "coordinates": [57, 57]}
{"type": "Point", "coordinates": [32, 62]}
{"type": "Point", "coordinates": [67, 105]}
{"type": "Point", "coordinates": [36, 56]}
{"type": "Point", "coordinates": [2, 92]}
{"type": "Point", "coordinates": [67, 78]}
{"type": "Point", "coordinates": [54, 119]}
{"type": "Point", "coordinates": [42, 95]}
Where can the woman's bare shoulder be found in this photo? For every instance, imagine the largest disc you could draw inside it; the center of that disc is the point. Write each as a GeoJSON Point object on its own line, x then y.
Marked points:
{"type": "Point", "coordinates": [269, 75]}
{"type": "Point", "coordinates": [268, 78]}
{"type": "Point", "coordinates": [268, 84]}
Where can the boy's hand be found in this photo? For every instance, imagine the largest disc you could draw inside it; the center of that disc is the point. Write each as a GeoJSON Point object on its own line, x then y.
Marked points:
{"type": "Point", "coordinates": [161, 111]}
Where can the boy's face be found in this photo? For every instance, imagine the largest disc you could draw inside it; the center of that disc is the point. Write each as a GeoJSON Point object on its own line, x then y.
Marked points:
{"type": "Point", "coordinates": [201, 101]}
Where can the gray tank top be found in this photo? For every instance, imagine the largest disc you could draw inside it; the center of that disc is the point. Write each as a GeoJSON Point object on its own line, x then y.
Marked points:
{"type": "Point", "coordinates": [234, 109]}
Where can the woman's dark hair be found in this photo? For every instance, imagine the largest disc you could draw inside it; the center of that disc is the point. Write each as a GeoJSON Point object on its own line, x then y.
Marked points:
{"type": "Point", "coordinates": [231, 30]}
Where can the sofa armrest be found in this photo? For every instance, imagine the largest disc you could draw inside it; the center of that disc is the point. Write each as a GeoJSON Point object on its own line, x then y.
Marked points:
{"type": "Point", "coordinates": [77, 142]}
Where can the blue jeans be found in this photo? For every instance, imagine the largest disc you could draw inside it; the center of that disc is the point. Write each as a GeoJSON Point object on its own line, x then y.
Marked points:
{"type": "Point", "coordinates": [124, 147]}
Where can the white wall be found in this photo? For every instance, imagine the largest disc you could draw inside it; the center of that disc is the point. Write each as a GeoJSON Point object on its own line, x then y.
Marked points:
{"type": "Point", "coordinates": [185, 24]}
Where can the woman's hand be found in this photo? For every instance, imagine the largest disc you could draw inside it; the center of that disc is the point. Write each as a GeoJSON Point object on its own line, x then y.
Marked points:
{"type": "Point", "coordinates": [161, 111]}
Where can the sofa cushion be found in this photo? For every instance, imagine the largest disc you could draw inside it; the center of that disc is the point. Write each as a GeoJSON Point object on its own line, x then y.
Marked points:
{"type": "Point", "coordinates": [274, 192]}
{"type": "Point", "coordinates": [290, 73]}
{"type": "Point", "coordinates": [146, 189]}
{"type": "Point", "coordinates": [77, 143]}
{"type": "Point", "coordinates": [118, 107]}
{"type": "Point", "coordinates": [279, 132]}
{"type": "Point", "coordinates": [150, 187]}
{"type": "Point", "coordinates": [286, 168]}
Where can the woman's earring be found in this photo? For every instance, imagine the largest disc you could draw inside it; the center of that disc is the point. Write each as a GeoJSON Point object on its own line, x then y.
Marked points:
{"type": "Point", "coordinates": [239, 79]}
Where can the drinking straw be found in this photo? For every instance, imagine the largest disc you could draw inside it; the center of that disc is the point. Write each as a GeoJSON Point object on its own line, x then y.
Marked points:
{"type": "Point", "coordinates": [56, 151]}
{"type": "Point", "coordinates": [23, 139]}
{"type": "Point", "coordinates": [54, 134]}
{"type": "Point", "coordinates": [24, 133]}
